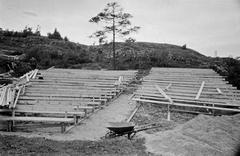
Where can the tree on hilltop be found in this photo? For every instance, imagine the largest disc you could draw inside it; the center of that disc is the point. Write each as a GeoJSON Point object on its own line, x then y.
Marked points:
{"type": "Point", "coordinates": [55, 35]}
{"type": "Point", "coordinates": [115, 22]}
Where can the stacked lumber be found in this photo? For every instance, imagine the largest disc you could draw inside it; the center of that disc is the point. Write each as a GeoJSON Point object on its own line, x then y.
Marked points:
{"type": "Point", "coordinates": [197, 89]}
{"type": "Point", "coordinates": [67, 93]}
{"type": "Point", "coordinates": [7, 94]}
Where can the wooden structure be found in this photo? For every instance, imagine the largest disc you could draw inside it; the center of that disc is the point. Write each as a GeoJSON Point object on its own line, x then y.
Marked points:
{"type": "Point", "coordinates": [188, 90]}
{"type": "Point", "coordinates": [62, 95]}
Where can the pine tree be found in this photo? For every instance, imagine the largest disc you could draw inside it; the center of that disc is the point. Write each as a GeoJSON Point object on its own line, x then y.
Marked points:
{"type": "Point", "coordinates": [115, 22]}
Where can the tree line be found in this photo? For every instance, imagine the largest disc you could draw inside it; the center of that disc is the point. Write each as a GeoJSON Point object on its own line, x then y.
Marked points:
{"type": "Point", "coordinates": [28, 31]}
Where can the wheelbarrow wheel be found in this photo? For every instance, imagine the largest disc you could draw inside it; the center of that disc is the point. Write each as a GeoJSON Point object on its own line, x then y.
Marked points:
{"type": "Point", "coordinates": [110, 134]}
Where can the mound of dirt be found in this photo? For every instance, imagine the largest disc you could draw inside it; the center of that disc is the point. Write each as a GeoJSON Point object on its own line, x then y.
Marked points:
{"type": "Point", "coordinates": [203, 135]}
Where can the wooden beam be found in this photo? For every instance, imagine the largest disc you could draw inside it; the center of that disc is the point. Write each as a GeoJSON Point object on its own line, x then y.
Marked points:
{"type": "Point", "coordinates": [16, 99]}
{"type": "Point", "coordinates": [200, 90]}
{"type": "Point", "coordinates": [167, 97]}
{"type": "Point", "coordinates": [189, 105]}
{"type": "Point", "coordinates": [167, 88]}
{"type": "Point", "coordinates": [219, 91]}
{"type": "Point", "coordinates": [133, 113]}
{"type": "Point", "coordinates": [3, 96]}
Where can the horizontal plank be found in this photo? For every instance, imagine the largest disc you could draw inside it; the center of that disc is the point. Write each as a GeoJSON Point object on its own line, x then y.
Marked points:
{"type": "Point", "coordinates": [188, 105]}
{"type": "Point", "coordinates": [37, 119]}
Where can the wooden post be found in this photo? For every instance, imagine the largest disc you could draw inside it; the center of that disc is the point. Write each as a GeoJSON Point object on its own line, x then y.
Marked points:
{"type": "Point", "coordinates": [13, 115]}
{"type": "Point", "coordinates": [169, 99]}
{"type": "Point", "coordinates": [75, 119]}
{"type": "Point", "coordinates": [10, 126]}
{"type": "Point", "coordinates": [168, 112]}
{"type": "Point", "coordinates": [213, 110]}
{"type": "Point", "coordinates": [85, 112]}
{"type": "Point", "coordinates": [63, 127]}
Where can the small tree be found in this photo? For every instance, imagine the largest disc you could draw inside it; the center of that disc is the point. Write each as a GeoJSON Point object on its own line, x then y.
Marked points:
{"type": "Point", "coordinates": [115, 22]}
{"type": "Point", "coordinates": [130, 40]}
{"type": "Point", "coordinates": [55, 35]}
{"type": "Point", "coordinates": [66, 39]}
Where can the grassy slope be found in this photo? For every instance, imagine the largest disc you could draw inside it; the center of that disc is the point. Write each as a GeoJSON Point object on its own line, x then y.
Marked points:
{"type": "Point", "coordinates": [49, 52]}
{"type": "Point", "coordinates": [144, 55]}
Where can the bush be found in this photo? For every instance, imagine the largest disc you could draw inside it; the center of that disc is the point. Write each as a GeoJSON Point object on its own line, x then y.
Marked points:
{"type": "Point", "coordinates": [228, 67]}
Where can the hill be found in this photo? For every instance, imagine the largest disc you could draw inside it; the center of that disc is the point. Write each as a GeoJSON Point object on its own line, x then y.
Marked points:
{"type": "Point", "coordinates": [65, 54]}
{"type": "Point", "coordinates": [145, 55]}
{"type": "Point", "coordinates": [23, 51]}
{"type": "Point", "coordinates": [46, 52]}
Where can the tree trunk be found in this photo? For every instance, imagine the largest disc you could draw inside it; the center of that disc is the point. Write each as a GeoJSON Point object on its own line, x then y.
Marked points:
{"type": "Point", "coordinates": [113, 43]}
{"type": "Point", "coordinates": [114, 55]}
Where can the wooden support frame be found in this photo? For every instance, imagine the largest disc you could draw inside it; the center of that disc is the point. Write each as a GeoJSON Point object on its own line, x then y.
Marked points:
{"type": "Point", "coordinates": [16, 99]}
{"type": "Point", "coordinates": [200, 91]}
{"type": "Point", "coordinates": [134, 112]}
{"type": "Point", "coordinates": [13, 119]}
{"type": "Point", "coordinates": [169, 99]}
{"type": "Point", "coordinates": [99, 90]}
{"type": "Point", "coordinates": [219, 91]}
{"type": "Point", "coordinates": [213, 93]}
{"type": "Point", "coordinates": [189, 105]}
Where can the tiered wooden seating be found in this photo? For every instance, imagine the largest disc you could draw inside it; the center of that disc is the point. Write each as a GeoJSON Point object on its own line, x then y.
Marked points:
{"type": "Point", "coordinates": [64, 93]}
{"type": "Point", "coordinates": [189, 88]}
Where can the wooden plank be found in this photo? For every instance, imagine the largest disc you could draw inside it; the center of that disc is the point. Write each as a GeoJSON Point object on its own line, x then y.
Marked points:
{"type": "Point", "coordinates": [36, 119]}
{"type": "Point", "coordinates": [169, 99]}
{"type": "Point", "coordinates": [133, 113]}
{"type": "Point", "coordinates": [167, 88]}
{"type": "Point", "coordinates": [164, 94]}
{"type": "Point", "coordinates": [200, 90]}
{"type": "Point", "coordinates": [16, 99]}
{"type": "Point", "coordinates": [3, 96]}
{"type": "Point", "coordinates": [189, 105]}
{"type": "Point", "coordinates": [219, 91]}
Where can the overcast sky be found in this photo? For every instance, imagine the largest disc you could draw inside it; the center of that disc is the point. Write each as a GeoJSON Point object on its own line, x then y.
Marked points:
{"type": "Point", "coordinates": [204, 25]}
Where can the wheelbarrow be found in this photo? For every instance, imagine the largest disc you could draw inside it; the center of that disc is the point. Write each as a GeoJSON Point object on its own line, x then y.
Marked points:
{"type": "Point", "coordinates": [127, 128]}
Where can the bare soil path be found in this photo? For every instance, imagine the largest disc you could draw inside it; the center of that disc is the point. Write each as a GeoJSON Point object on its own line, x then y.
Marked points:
{"type": "Point", "coordinates": [95, 127]}
{"type": "Point", "coordinates": [92, 128]}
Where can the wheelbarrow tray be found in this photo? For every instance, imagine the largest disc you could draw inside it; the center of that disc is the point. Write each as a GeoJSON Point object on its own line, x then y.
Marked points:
{"type": "Point", "coordinates": [120, 127]}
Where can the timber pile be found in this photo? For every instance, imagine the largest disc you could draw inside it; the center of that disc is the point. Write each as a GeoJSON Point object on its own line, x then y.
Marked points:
{"type": "Point", "coordinates": [56, 94]}
{"type": "Point", "coordinates": [190, 90]}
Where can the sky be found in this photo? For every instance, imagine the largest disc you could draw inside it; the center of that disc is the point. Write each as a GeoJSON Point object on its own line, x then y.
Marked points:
{"type": "Point", "coordinates": [206, 26]}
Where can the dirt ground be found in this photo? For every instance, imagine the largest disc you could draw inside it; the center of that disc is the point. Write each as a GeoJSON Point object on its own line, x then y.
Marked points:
{"type": "Point", "coordinates": [15, 145]}
{"type": "Point", "coordinates": [188, 134]}
{"type": "Point", "coordinates": [149, 113]}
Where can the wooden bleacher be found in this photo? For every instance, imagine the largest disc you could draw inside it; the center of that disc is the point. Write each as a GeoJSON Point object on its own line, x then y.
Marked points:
{"type": "Point", "coordinates": [63, 93]}
{"type": "Point", "coordinates": [195, 90]}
